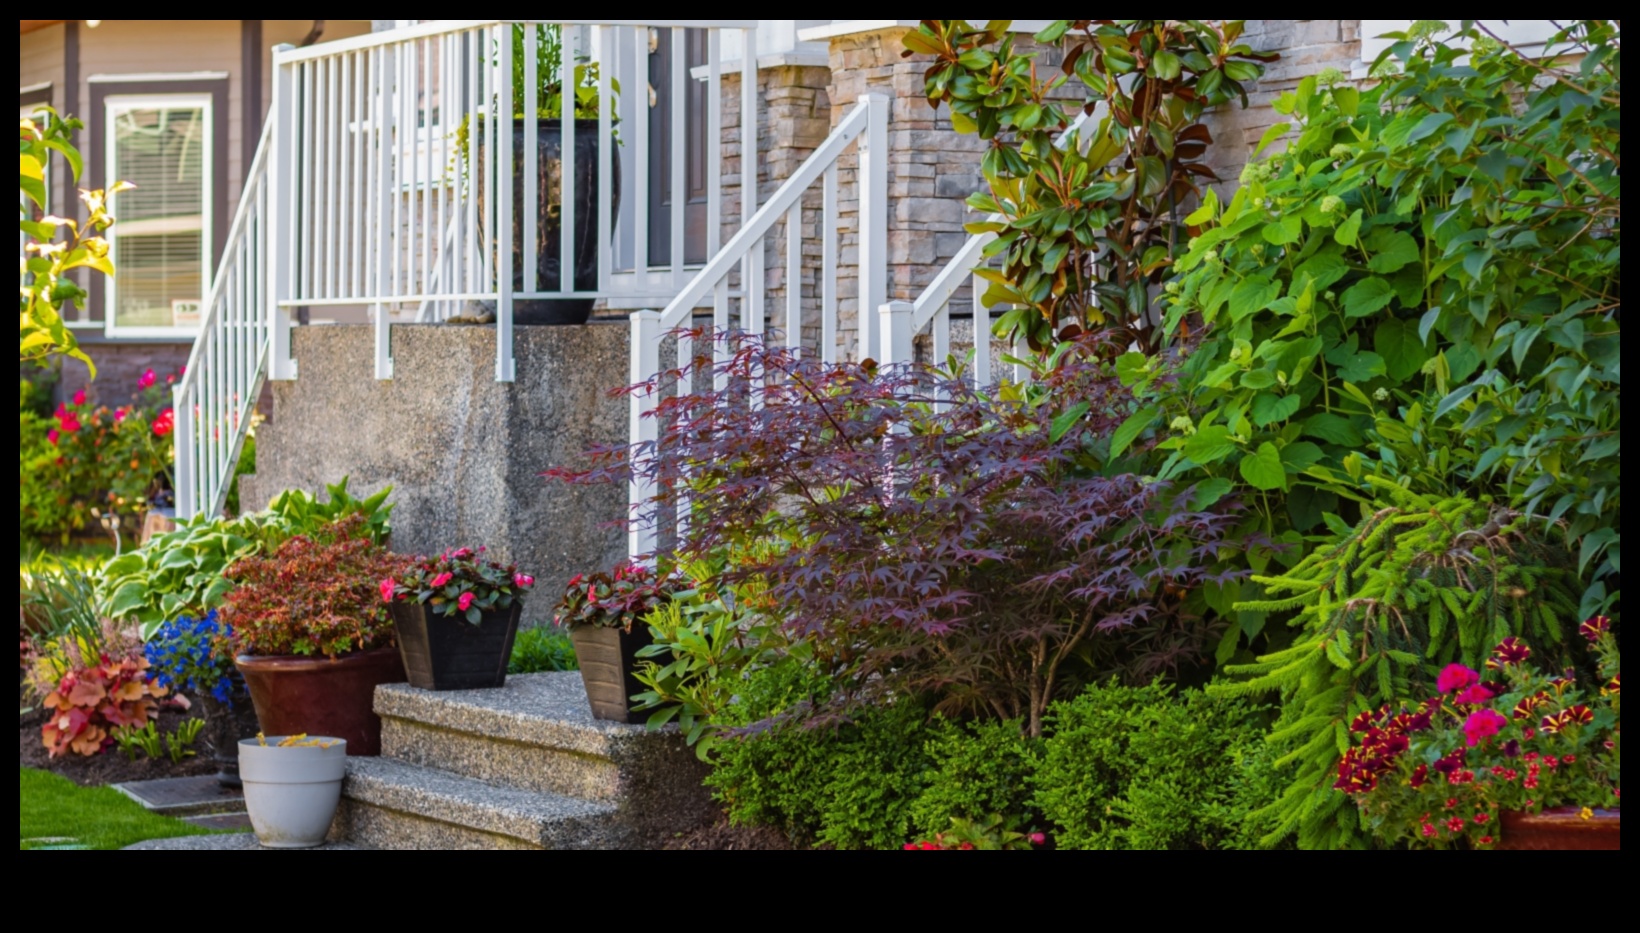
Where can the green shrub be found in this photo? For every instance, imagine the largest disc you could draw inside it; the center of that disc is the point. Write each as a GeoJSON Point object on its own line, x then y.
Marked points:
{"type": "Point", "coordinates": [542, 650]}
{"type": "Point", "coordinates": [1143, 768]}
{"type": "Point", "coordinates": [974, 771]}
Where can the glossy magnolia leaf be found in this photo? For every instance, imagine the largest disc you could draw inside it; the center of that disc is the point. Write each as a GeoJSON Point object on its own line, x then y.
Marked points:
{"type": "Point", "coordinates": [1263, 468]}
{"type": "Point", "coordinates": [1368, 296]}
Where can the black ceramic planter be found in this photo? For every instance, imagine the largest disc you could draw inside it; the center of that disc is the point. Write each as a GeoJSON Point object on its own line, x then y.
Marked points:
{"type": "Point", "coordinates": [609, 662]}
{"type": "Point", "coordinates": [547, 214]}
{"type": "Point", "coordinates": [446, 653]}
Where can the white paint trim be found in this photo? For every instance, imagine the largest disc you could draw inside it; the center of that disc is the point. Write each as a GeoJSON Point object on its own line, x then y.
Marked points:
{"type": "Point", "coordinates": [849, 27]}
{"type": "Point", "coordinates": [170, 76]}
{"type": "Point", "coordinates": [1528, 35]}
{"type": "Point", "coordinates": [800, 58]}
{"type": "Point", "coordinates": [30, 89]}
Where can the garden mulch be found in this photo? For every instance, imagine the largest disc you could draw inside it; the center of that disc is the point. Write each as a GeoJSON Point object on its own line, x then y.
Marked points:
{"type": "Point", "coordinates": [724, 837]}
{"type": "Point", "coordinates": [110, 767]}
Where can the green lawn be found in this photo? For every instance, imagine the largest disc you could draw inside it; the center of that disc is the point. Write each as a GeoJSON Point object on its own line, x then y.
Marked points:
{"type": "Point", "coordinates": [56, 813]}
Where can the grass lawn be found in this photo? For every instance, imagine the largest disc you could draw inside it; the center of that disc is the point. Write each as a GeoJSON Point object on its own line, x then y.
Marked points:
{"type": "Point", "coordinates": [54, 812]}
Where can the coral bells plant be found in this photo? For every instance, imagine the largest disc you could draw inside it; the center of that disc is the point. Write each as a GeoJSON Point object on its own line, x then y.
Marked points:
{"type": "Point", "coordinates": [1511, 739]}
{"type": "Point", "coordinates": [311, 598]}
{"type": "Point", "coordinates": [92, 702]}
{"type": "Point", "coordinates": [459, 584]}
{"type": "Point", "coordinates": [618, 599]}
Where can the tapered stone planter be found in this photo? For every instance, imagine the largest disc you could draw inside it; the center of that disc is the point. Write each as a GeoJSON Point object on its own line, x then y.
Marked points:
{"type": "Point", "coordinates": [609, 662]}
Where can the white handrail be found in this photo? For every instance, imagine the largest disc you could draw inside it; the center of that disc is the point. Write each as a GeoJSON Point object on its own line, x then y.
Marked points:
{"type": "Point", "coordinates": [217, 394]}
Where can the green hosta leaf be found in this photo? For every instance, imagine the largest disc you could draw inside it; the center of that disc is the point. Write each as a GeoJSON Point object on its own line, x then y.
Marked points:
{"type": "Point", "coordinates": [1131, 429]}
{"type": "Point", "coordinates": [1400, 250]}
{"type": "Point", "coordinates": [1269, 409]}
{"type": "Point", "coordinates": [1368, 296]}
{"type": "Point", "coordinates": [1403, 352]}
{"type": "Point", "coordinates": [1210, 445]}
{"type": "Point", "coordinates": [1263, 469]}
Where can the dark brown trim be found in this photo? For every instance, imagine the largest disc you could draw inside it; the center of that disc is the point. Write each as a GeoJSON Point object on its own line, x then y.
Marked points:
{"type": "Point", "coordinates": [250, 77]}
{"type": "Point", "coordinates": [39, 95]}
{"type": "Point", "coordinates": [70, 104]}
{"type": "Point", "coordinates": [96, 154]}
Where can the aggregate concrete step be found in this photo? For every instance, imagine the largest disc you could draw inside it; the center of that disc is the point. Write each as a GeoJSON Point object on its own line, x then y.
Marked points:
{"type": "Point", "coordinates": [388, 804]}
{"type": "Point", "coordinates": [537, 734]}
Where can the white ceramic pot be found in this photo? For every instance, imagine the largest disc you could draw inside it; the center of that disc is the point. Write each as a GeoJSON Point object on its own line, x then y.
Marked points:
{"type": "Point", "coordinates": [292, 793]}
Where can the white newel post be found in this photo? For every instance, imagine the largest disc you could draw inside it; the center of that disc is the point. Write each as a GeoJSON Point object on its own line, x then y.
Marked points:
{"type": "Point", "coordinates": [505, 370]}
{"type": "Point", "coordinates": [642, 538]}
{"type": "Point", "coordinates": [873, 193]}
{"type": "Point", "coordinates": [898, 327]}
{"type": "Point", "coordinates": [182, 439]}
{"type": "Point", "coordinates": [282, 197]}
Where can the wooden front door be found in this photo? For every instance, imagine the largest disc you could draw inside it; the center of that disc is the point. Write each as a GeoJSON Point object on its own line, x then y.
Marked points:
{"type": "Point", "coordinates": [661, 197]}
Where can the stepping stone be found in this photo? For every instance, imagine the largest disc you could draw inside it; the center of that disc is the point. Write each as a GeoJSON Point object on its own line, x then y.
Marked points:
{"type": "Point", "coordinates": [221, 822]}
{"type": "Point", "coordinates": [244, 842]}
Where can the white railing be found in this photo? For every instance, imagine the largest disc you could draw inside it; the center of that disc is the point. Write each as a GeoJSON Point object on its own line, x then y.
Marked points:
{"type": "Point", "coordinates": [864, 129]}
{"type": "Point", "coordinates": [387, 147]}
{"type": "Point", "coordinates": [901, 322]}
{"type": "Point", "coordinates": [217, 395]}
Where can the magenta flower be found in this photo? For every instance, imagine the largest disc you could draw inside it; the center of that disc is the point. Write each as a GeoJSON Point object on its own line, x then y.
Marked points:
{"type": "Point", "coordinates": [1456, 677]}
{"type": "Point", "coordinates": [1594, 628]}
{"type": "Point", "coordinates": [1483, 724]}
{"type": "Point", "coordinates": [442, 579]}
{"type": "Point", "coordinates": [523, 581]}
{"type": "Point", "coordinates": [52, 436]}
{"type": "Point", "coordinates": [389, 587]}
{"type": "Point", "coordinates": [465, 602]}
{"type": "Point", "coordinates": [121, 415]}
{"type": "Point", "coordinates": [147, 381]}
{"type": "Point", "coordinates": [79, 398]}
{"type": "Point", "coordinates": [1477, 695]}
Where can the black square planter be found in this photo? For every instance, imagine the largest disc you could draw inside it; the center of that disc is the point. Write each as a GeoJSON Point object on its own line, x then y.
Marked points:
{"type": "Point", "coordinates": [446, 653]}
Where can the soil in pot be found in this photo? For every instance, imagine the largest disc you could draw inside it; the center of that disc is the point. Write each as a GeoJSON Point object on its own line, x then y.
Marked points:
{"type": "Point", "coordinates": [1563, 830]}
{"type": "Point", "coordinates": [547, 214]}
{"type": "Point", "coordinates": [609, 661]}
{"type": "Point", "coordinates": [447, 653]}
{"type": "Point", "coordinates": [307, 696]}
{"type": "Point", "coordinates": [111, 767]}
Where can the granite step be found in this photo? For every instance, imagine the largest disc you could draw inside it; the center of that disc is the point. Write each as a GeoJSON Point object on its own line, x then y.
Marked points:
{"type": "Point", "coordinates": [388, 804]}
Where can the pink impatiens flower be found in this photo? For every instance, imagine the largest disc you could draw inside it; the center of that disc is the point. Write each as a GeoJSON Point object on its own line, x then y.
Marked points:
{"type": "Point", "coordinates": [1456, 677]}
{"type": "Point", "coordinates": [442, 580]}
{"type": "Point", "coordinates": [523, 581]}
{"type": "Point", "coordinates": [147, 381]}
{"type": "Point", "coordinates": [389, 587]}
{"type": "Point", "coordinates": [465, 602]}
{"type": "Point", "coordinates": [1483, 724]}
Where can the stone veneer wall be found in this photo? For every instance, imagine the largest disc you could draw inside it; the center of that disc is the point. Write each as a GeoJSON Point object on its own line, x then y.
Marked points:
{"type": "Point", "coordinates": [463, 453]}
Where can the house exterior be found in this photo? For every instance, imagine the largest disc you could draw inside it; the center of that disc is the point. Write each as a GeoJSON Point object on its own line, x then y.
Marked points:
{"type": "Point", "coordinates": [176, 107]}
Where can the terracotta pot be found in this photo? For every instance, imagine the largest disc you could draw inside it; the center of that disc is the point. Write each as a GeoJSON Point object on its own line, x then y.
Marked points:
{"type": "Point", "coordinates": [307, 696]}
{"type": "Point", "coordinates": [609, 658]}
{"type": "Point", "coordinates": [446, 653]}
{"type": "Point", "coordinates": [1562, 830]}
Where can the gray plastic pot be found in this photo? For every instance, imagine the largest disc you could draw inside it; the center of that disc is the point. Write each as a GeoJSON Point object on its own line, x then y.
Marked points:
{"type": "Point", "coordinates": [292, 793]}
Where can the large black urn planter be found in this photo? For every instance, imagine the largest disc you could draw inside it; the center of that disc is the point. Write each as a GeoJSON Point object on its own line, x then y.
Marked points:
{"type": "Point", "coordinates": [447, 653]}
{"type": "Point", "coordinates": [609, 663]}
{"type": "Point", "coordinates": [548, 213]}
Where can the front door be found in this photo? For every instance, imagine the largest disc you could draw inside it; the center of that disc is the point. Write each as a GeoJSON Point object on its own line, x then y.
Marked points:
{"type": "Point", "coordinates": [661, 197]}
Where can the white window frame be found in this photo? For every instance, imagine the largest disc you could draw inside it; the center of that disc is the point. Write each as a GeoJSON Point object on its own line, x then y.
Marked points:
{"type": "Point", "coordinates": [1530, 36]}
{"type": "Point", "coordinates": [120, 102]}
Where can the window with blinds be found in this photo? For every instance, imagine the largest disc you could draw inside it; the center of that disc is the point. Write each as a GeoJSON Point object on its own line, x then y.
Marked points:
{"type": "Point", "coordinates": [160, 251]}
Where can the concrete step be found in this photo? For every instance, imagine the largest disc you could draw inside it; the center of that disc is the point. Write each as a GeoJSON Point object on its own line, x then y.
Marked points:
{"type": "Point", "coordinates": [537, 734]}
{"type": "Point", "coordinates": [388, 804]}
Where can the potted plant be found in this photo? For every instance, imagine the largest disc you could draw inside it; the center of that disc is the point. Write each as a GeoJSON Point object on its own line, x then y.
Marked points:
{"type": "Point", "coordinates": [292, 787]}
{"type": "Point", "coordinates": [457, 616]}
{"type": "Point", "coordinates": [605, 617]}
{"type": "Point", "coordinates": [312, 636]}
{"type": "Point", "coordinates": [194, 656]}
{"type": "Point", "coordinates": [547, 110]}
{"type": "Point", "coordinates": [1523, 760]}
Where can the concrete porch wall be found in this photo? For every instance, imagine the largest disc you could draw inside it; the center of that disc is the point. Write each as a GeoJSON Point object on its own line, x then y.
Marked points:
{"type": "Point", "coordinates": [463, 453]}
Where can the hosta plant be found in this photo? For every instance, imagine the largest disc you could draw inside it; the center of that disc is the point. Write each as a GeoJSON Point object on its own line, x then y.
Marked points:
{"type": "Point", "coordinates": [1441, 773]}
{"type": "Point", "coordinates": [459, 584]}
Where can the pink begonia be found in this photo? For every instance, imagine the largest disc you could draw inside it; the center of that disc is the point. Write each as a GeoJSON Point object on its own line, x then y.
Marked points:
{"type": "Point", "coordinates": [465, 602]}
{"type": "Point", "coordinates": [147, 381]}
{"type": "Point", "coordinates": [442, 579]}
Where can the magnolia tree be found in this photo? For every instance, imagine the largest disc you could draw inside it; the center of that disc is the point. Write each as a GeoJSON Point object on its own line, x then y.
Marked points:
{"type": "Point", "coordinates": [54, 246]}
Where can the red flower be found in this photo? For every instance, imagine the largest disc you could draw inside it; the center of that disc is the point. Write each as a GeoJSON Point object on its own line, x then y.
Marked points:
{"type": "Point", "coordinates": [1594, 628]}
{"type": "Point", "coordinates": [79, 398]}
{"type": "Point", "coordinates": [1483, 724]}
{"type": "Point", "coordinates": [1364, 722]}
{"type": "Point", "coordinates": [1487, 840]}
{"type": "Point", "coordinates": [1477, 695]}
{"type": "Point", "coordinates": [1528, 706]}
{"type": "Point", "coordinates": [465, 602]}
{"type": "Point", "coordinates": [388, 587]}
{"type": "Point", "coordinates": [1420, 776]}
{"type": "Point", "coordinates": [1429, 831]}
{"type": "Point", "coordinates": [1511, 653]}
{"type": "Point", "coordinates": [1456, 677]}
{"type": "Point", "coordinates": [147, 381]}
{"type": "Point", "coordinates": [523, 581]}
{"type": "Point", "coordinates": [442, 579]}
{"type": "Point", "coordinates": [1616, 684]}
{"type": "Point", "coordinates": [1038, 839]}
{"type": "Point", "coordinates": [1456, 825]}
{"type": "Point", "coordinates": [52, 436]}
{"type": "Point", "coordinates": [1481, 819]}
{"type": "Point", "coordinates": [1577, 716]}
{"type": "Point", "coordinates": [165, 423]}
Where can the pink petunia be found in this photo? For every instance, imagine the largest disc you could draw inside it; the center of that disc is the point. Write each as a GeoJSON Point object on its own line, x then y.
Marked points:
{"type": "Point", "coordinates": [1474, 696]}
{"type": "Point", "coordinates": [147, 381]}
{"type": "Point", "coordinates": [389, 587]}
{"type": "Point", "coordinates": [442, 580]}
{"type": "Point", "coordinates": [1456, 677]}
{"type": "Point", "coordinates": [1483, 724]}
{"type": "Point", "coordinates": [465, 602]}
